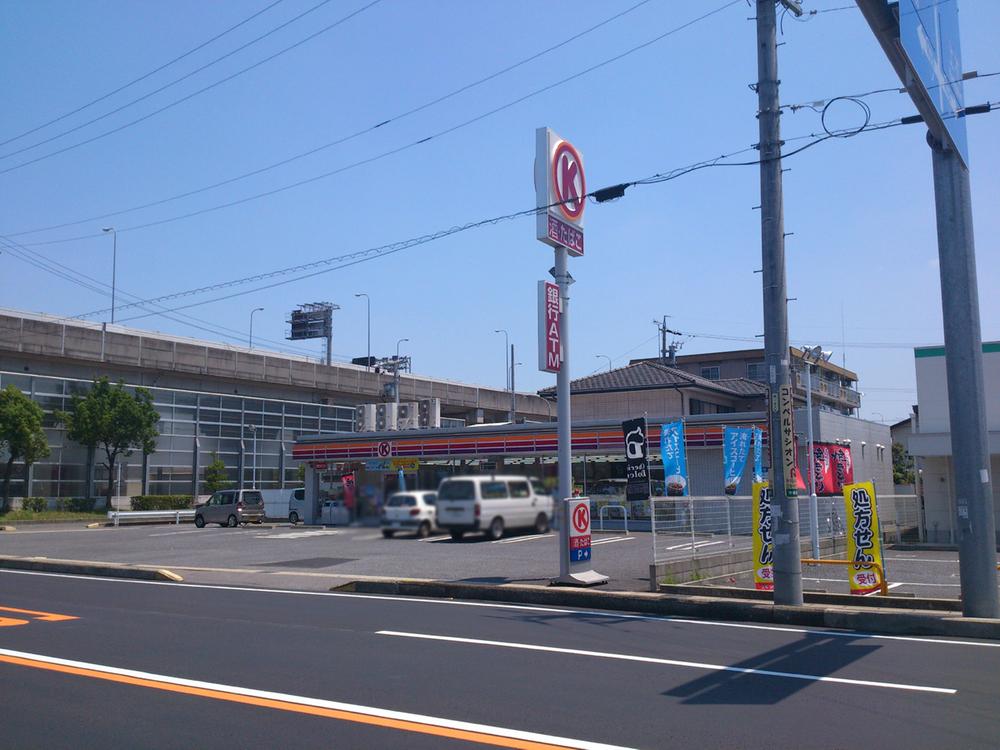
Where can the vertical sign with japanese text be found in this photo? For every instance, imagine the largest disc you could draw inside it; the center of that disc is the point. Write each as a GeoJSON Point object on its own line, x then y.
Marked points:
{"type": "Point", "coordinates": [674, 459]}
{"type": "Point", "coordinates": [735, 450]}
{"type": "Point", "coordinates": [550, 352]}
{"type": "Point", "coordinates": [785, 407]}
{"type": "Point", "coordinates": [864, 539]}
{"type": "Point", "coordinates": [579, 530]}
{"type": "Point", "coordinates": [763, 538]}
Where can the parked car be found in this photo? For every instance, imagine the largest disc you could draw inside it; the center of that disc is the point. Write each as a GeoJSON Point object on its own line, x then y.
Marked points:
{"type": "Point", "coordinates": [284, 503]}
{"type": "Point", "coordinates": [491, 504]}
{"type": "Point", "coordinates": [409, 511]}
{"type": "Point", "coordinates": [230, 508]}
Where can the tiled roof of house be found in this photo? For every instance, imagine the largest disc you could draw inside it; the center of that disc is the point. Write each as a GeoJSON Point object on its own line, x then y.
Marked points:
{"type": "Point", "coordinates": [651, 375]}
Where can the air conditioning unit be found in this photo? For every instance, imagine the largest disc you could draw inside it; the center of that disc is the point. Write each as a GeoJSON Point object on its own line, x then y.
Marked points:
{"type": "Point", "coordinates": [407, 417]}
{"type": "Point", "coordinates": [385, 417]}
{"type": "Point", "coordinates": [364, 418]}
{"type": "Point", "coordinates": [429, 413]}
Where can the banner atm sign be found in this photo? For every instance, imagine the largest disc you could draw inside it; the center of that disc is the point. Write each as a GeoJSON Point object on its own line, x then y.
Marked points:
{"type": "Point", "coordinates": [550, 353]}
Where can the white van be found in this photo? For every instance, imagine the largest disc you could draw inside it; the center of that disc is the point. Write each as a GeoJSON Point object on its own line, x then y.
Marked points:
{"type": "Point", "coordinates": [287, 503]}
{"type": "Point", "coordinates": [491, 504]}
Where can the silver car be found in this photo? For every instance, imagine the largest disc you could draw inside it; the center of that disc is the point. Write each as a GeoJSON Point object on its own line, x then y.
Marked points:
{"type": "Point", "coordinates": [230, 508]}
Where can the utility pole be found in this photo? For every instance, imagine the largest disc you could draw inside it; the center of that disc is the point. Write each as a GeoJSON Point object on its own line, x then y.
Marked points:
{"type": "Point", "coordinates": [665, 351]}
{"type": "Point", "coordinates": [784, 504]}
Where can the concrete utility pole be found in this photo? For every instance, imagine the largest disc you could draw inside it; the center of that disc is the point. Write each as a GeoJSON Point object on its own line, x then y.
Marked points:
{"type": "Point", "coordinates": [784, 509]}
{"type": "Point", "coordinates": [963, 347]}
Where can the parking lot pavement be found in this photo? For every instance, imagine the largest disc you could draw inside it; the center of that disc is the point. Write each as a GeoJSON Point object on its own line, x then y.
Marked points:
{"type": "Point", "coordinates": [315, 558]}
{"type": "Point", "coordinates": [319, 557]}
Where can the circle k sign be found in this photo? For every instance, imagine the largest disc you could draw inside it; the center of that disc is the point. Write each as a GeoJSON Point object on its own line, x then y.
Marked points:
{"type": "Point", "coordinates": [568, 181]}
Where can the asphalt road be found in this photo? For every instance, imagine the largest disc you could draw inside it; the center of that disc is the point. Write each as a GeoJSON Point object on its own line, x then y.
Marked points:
{"type": "Point", "coordinates": [175, 665]}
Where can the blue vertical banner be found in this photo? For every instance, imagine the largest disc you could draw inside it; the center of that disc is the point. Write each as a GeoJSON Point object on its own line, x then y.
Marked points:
{"type": "Point", "coordinates": [758, 452]}
{"type": "Point", "coordinates": [735, 451]}
{"type": "Point", "coordinates": [674, 461]}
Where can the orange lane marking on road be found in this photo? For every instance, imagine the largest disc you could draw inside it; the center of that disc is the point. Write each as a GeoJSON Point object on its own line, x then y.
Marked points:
{"type": "Point", "coordinates": [43, 616]}
{"type": "Point", "coordinates": [7, 622]}
{"type": "Point", "coordinates": [344, 715]}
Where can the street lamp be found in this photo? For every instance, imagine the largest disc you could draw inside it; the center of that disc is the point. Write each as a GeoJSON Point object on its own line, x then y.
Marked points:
{"type": "Point", "coordinates": [506, 356]}
{"type": "Point", "coordinates": [114, 266]}
{"type": "Point", "coordinates": [255, 310]}
{"type": "Point", "coordinates": [812, 355]}
{"type": "Point", "coordinates": [607, 358]}
{"type": "Point", "coordinates": [368, 303]}
{"type": "Point", "coordinates": [881, 416]}
{"type": "Point", "coordinates": [396, 368]}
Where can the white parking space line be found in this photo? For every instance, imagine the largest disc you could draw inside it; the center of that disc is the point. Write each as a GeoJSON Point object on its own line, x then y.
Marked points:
{"type": "Point", "coordinates": [300, 534]}
{"type": "Point", "coordinates": [368, 538]}
{"type": "Point", "coordinates": [613, 539]}
{"type": "Point", "coordinates": [440, 538]}
{"type": "Point", "coordinates": [891, 585]}
{"type": "Point", "coordinates": [517, 539]}
{"type": "Point", "coordinates": [696, 545]}
{"type": "Point", "coordinates": [172, 533]}
{"type": "Point", "coordinates": [673, 662]}
{"type": "Point", "coordinates": [588, 613]}
{"type": "Point", "coordinates": [921, 559]}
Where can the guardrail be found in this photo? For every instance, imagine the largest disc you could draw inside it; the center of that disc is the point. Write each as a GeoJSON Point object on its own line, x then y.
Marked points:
{"type": "Point", "coordinates": [622, 508]}
{"type": "Point", "coordinates": [150, 515]}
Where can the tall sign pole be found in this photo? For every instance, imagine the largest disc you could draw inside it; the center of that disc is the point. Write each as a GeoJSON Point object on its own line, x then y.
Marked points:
{"type": "Point", "coordinates": [784, 504]}
{"type": "Point", "coordinates": [560, 189]}
{"type": "Point", "coordinates": [921, 40]}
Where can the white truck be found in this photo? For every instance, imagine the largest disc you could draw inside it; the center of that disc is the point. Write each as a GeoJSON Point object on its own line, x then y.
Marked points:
{"type": "Point", "coordinates": [287, 503]}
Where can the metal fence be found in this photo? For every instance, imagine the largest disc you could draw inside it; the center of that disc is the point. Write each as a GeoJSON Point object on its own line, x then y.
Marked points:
{"type": "Point", "coordinates": [699, 526]}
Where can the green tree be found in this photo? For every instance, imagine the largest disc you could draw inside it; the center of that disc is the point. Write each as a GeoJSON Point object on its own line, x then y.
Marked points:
{"type": "Point", "coordinates": [113, 420]}
{"type": "Point", "coordinates": [21, 435]}
{"type": "Point", "coordinates": [215, 475]}
{"type": "Point", "coordinates": [902, 465]}
{"type": "Point", "coordinates": [300, 474]}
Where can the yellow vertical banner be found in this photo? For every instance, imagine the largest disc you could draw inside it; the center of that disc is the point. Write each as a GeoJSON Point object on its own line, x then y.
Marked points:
{"type": "Point", "coordinates": [763, 540]}
{"type": "Point", "coordinates": [864, 538]}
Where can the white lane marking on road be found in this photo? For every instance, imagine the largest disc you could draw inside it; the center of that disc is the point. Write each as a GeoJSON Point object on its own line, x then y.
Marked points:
{"type": "Point", "coordinates": [892, 586]}
{"type": "Point", "coordinates": [300, 534]}
{"type": "Point", "coordinates": [439, 538]}
{"type": "Point", "coordinates": [172, 533]}
{"type": "Point", "coordinates": [672, 662]}
{"type": "Point", "coordinates": [301, 700]}
{"type": "Point", "coordinates": [613, 539]}
{"type": "Point", "coordinates": [517, 539]}
{"type": "Point", "coordinates": [589, 613]}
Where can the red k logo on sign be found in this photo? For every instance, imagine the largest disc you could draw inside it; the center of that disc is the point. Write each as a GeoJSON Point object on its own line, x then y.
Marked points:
{"type": "Point", "coordinates": [581, 518]}
{"type": "Point", "coordinates": [568, 180]}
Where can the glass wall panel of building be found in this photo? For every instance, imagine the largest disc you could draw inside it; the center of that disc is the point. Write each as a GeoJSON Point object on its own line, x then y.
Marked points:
{"type": "Point", "coordinates": [252, 436]}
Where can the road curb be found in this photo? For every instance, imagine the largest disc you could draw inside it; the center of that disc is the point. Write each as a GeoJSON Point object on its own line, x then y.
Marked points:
{"type": "Point", "coordinates": [78, 567]}
{"type": "Point", "coordinates": [900, 622]}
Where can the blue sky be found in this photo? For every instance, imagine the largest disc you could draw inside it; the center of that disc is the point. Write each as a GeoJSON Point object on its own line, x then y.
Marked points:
{"type": "Point", "coordinates": [861, 209]}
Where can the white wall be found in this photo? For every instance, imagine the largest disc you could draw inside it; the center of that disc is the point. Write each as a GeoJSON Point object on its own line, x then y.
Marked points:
{"type": "Point", "coordinates": [932, 388]}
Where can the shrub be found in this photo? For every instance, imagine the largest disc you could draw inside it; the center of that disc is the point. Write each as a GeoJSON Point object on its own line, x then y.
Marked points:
{"type": "Point", "coordinates": [35, 504]}
{"type": "Point", "coordinates": [76, 504]}
{"type": "Point", "coordinates": [162, 502]}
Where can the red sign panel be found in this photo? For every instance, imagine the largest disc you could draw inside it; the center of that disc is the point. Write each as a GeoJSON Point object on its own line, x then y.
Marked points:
{"type": "Point", "coordinates": [843, 467]}
{"type": "Point", "coordinates": [549, 343]}
{"type": "Point", "coordinates": [579, 542]}
{"type": "Point", "coordinates": [566, 235]}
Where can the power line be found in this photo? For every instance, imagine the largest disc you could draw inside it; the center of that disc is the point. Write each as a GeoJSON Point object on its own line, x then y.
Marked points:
{"type": "Point", "coordinates": [342, 139]}
{"type": "Point", "coordinates": [183, 99]}
{"type": "Point", "coordinates": [143, 77]}
{"type": "Point", "coordinates": [399, 149]}
{"type": "Point", "coordinates": [342, 261]}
